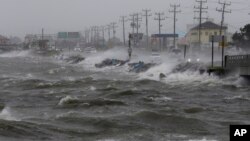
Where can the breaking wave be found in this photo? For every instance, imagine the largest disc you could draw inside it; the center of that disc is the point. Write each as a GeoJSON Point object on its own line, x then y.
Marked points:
{"type": "Point", "coordinates": [6, 114]}
{"type": "Point", "coordinates": [70, 101]}
{"type": "Point", "coordinates": [93, 59]}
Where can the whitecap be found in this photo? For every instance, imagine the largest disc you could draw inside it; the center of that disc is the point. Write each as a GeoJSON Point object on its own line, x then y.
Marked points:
{"type": "Point", "coordinates": [6, 114]}
{"type": "Point", "coordinates": [92, 88]}
{"type": "Point", "coordinates": [204, 139]}
{"type": "Point", "coordinates": [66, 100]}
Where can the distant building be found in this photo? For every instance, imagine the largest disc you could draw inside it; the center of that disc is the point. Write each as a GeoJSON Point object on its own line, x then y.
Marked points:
{"type": "Point", "coordinates": [30, 38]}
{"type": "Point", "coordinates": [14, 40]}
{"type": "Point", "coordinates": [208, 28]}
{"type": "Point", "coordinates": [3, 40]}
{"type": "Point", "coordinates": [40, 41]}
{"type": "Point", "coordinates": [72, 36]}
{"type": "Point", "coordinates": [68, 39]}
{"type": "Point", "coordinates": [163, 41]}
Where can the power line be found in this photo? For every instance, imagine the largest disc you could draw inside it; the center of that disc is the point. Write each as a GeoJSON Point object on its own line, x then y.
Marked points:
{"type": "Point", "coordinates": [175, 19]}
{"type": "Point", "coordinates": [201, 9]}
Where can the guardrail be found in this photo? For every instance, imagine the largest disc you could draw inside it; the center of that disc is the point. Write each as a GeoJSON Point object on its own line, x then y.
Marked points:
{"type": "Point", "coordinates": [237, 61]}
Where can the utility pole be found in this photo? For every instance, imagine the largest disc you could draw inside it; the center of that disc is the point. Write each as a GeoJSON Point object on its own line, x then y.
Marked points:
{"type": "Point", "coordinates": [201, 9]}
{"type": "Point", "coordinates": [159, 18]}
{"type": "Point", "coordinates": [123, 20]}
{"type": "Point", "coordinates": [108, 28]}
{"type": "Point", "coordinates": [113, 26]}
{"type": "Point", "coordinates": [223, 11]}
{"type": "Point", "coordinates": [97, 30]}
{"type": "Point", "coordinates": [133, 24]}
{"type": "Point", "coordinates": [42, 41]}
{"type": "Point", "coordinates": [42, 33]}
{"type": "Point", "coordinates": [103, 35]}
{"type": "Point", "coordinates": [137, 18]}
{"type": "Point", "coordinates": [147, 14]}
{"type": "Point", "coordinates": [91, 35]}
{"type": "Point", "coordinates": [175, 19]}
{"type": "Point", "coordinates": [88, 33]}
{"type": "Point", "coordinates": [95, 34]}
{"type": "Point", "coordinates": [87, 36]}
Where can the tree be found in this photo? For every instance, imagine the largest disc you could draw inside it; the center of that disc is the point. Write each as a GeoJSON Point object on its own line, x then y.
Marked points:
{"type": "Point", "coordinates": [246, 32]}
{"type": "Point", "coordinates": [237, 37]}
{"type": "Point", "coordinates": [242, 38]}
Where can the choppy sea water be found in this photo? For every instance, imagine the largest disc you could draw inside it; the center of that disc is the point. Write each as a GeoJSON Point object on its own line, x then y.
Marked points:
{"type": "Point", "coordinates": [48, 99]}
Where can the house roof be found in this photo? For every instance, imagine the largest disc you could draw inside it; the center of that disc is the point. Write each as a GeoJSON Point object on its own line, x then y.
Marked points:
{"type": "Point", "coordinates": [3, 38]}
{"type": "Point", "coordinates": [208, 25]}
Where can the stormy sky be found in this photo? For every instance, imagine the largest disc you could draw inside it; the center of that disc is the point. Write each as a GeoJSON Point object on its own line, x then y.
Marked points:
{"type": "Point", "coordinates": [20, 17]}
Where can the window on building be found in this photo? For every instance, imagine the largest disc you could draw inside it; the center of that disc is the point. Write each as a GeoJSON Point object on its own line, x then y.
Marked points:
{"type": "Point", "coordinates": [206, 33]}
{"type": "Point", "coordinates": [215, 33]}
{"type": "Point", "coordinates": [194, 33]}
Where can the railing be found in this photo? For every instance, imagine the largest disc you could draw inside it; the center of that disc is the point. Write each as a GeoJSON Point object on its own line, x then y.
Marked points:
{"type": "Point", "coordinates": [237, 61]}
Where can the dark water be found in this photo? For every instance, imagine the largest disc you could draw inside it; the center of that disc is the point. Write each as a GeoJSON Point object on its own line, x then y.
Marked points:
{"type": "Point", "coordinates": [46, 99]}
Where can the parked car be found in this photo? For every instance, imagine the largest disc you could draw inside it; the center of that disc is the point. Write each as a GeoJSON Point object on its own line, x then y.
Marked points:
{"type": "Point", "coordinates": [90, 50]}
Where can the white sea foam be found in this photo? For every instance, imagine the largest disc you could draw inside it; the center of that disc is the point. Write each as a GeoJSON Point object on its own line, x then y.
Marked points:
{"type": "Point", "coordinates": [182, 77]}
{"type": "Point", "coordinates": [6, 114]}
{"type": "Point", "coordinates": [108, 140]}
{"type": "Point", "coordinates": [92, 88]}
{"type": "Point", "coordinates": [163, 99]}
{"type": "Point", "coordinates": [66, 100]}
{"type": "Point", "coordinates": [204, 139]}
{"type": "Point", "coordinates": [15, 54]}
{"type": "Point", "coordinates": [153, 73]}
{"type": "Point", "coordinates": [243, 97]}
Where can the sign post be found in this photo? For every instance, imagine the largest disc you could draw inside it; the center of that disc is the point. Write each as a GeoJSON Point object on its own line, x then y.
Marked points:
{"type": "Point", "coordinates": [212, 51]}
{"type": "Point", "coordinates": [222, 53]}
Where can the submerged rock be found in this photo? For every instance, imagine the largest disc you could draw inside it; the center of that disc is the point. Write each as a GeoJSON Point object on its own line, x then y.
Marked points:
{"type": "Point", "coordinates": [74, 59]}
{"type": "Point", "coordinates": [161, 76]}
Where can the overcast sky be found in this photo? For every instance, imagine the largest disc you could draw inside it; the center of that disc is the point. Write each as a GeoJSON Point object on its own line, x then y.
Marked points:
{"type": "Point", "coordinates": [20, 17]}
